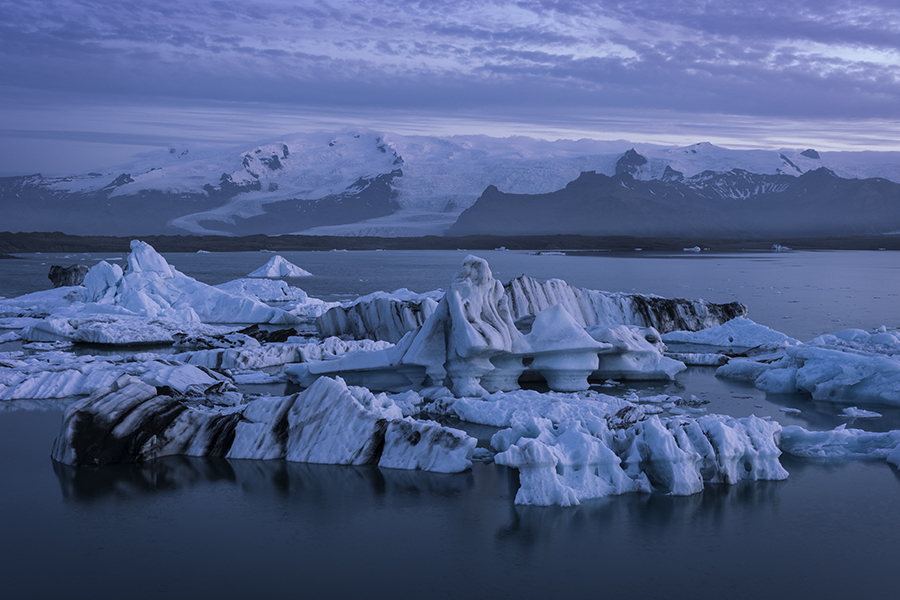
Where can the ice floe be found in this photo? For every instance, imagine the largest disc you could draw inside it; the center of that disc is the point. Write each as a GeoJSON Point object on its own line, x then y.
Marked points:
{"type": "Point", "coordinates": [843, 443]}
{"type": "Point", "coordinates": [62, 375]}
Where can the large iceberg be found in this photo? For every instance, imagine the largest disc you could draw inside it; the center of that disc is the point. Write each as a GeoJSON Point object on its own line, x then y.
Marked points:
{"type": "Point", "coordinates": [149, 302]}
{"type": "Point", "coordinates": [472, 343]}
{"type": "Point", "coordinates": [572, 447]}
{"type": "Point", "coordinates": [329, 423]}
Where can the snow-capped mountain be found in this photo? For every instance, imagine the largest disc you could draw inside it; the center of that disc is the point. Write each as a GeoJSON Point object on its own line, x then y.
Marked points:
{"type": "Point", "coordinates": [369, 183]}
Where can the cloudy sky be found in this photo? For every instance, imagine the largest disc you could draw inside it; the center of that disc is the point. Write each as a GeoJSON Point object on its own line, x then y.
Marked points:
{"type": "Point", "coordinates": [87, 83]}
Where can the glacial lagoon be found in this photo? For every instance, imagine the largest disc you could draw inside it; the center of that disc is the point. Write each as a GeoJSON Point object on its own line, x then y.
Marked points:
{"type": "Point", "coordinates": [187, 527]}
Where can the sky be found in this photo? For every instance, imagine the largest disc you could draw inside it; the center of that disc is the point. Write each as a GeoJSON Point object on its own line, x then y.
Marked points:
{"type": "Point", "coordinates": [88, 83]}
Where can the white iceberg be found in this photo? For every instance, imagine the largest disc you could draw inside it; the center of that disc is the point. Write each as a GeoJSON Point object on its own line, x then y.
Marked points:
{"type": "Point", "coordinates": [116, 330]}
{"type": "Point", "coordinates": [291, 299]}
{"type": "Point", "coordinates": [567, 462]}
{"type": "Point", "coordinates": [278, 266]}
{"type": "Point", "coordinates": [149, 288]}
{"type": "Point", "coordinates": [842, 443]}
{"type": "Point", "coordinates": [633, 353]}
{"type": "Point", "coordinates": [739, 332]}
{"type": "Point", "coordinates": [847, 367]}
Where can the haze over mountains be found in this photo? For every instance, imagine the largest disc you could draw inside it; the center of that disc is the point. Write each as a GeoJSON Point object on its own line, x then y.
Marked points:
{"type": "Point", "coordinates": [368, 183]}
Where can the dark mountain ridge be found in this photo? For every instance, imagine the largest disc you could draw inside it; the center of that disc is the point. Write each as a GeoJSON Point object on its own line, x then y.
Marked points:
{"type": "Point", "coordinates": [733, 204]}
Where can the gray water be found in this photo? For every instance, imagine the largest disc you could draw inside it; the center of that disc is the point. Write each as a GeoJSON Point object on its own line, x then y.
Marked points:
{"type": "Point", "coordinates": [183, 527]}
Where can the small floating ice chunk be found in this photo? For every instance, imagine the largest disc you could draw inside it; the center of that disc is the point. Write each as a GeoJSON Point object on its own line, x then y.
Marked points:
{"type": "Point", "coordinates": [840, 442]}
{"type": "Point", "coordinates": [859, 413]}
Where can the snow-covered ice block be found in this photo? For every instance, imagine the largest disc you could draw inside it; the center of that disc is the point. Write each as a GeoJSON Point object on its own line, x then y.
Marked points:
{"type": "Point", "coordinates": [562, 351]}
{"type": "Point", "coordinates": [116, 330]}
{"type": "Point", "coordinates": [739, 332]}
{"type": "Point", "coordinates": [570, 461]}
{"type": "Point", "coordinates": [264, 290]}
{"type": "Point", "coordinates": [278, 266]}
{"type": "Point", "coordinates": [61, 375]}
{"type": "Point", "coordinates": [849, 367]}
{"type": "Point", "coordinates": [380, 370]}
{"type": "Point", "coordinates": [634, 353]}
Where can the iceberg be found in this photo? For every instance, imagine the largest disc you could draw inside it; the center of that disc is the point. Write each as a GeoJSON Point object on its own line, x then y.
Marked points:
{"type": "Point", "coordinates": [329, 423]}
{"type": "Point", "coordinates": [278, 266]}
{"type": "Point", "coordinates": [634, 353]}
{"type": "Point", "coordinates": [471, 343]}
{"type": "Point", "coordinates": [847, 367]}
{"type": "Point", "coordinates": [291, 299]}
{"type": "Point", "coordinates": [739, 332]}
{"type": "Point", "coordinates": [842, 443]}
{"type": "Point", "coordinates": [568, 462]}
{"type": "Point", "coordinates": [149, 288]}
{"type": "Point", "coordinates": [590, 308]}
{"type": "Point", "coordinates": [379, 316]}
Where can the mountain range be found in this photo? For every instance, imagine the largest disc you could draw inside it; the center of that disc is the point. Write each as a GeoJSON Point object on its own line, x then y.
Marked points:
{"type": "Point", "coordinates": [369, 183]}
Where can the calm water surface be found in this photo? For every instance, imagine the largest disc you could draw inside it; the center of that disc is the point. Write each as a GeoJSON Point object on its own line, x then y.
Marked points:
{"type": "Point", "coordinates": [231, 529]}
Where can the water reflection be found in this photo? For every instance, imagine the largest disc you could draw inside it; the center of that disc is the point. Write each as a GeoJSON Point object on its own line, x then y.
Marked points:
{"type": "Point", "coordinates": [655, 513]}
{"type": "Point", "coordinates": [278, 478]}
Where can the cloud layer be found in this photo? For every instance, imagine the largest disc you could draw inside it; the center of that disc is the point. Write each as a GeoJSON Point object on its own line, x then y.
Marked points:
{"type": "Point", "coordinates": [795, 59]}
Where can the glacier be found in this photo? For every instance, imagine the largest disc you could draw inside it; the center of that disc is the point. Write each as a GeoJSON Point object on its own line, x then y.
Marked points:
{"type": "Point", "coordinates": [419, 184]}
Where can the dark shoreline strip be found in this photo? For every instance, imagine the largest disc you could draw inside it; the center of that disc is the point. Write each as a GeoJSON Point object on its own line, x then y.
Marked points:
{"type": "Point", "coordinates": [11, 243]}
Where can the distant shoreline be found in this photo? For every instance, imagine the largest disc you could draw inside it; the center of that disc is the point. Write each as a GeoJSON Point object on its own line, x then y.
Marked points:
{"type": "Point", "coordinates": [21, 243]}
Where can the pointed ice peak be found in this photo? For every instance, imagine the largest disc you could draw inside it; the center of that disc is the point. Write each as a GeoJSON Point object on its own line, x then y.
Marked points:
{"type": "Point", "coordinates": [144, 259]}
{"type": "Point", "coordinates": [278, 266]}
